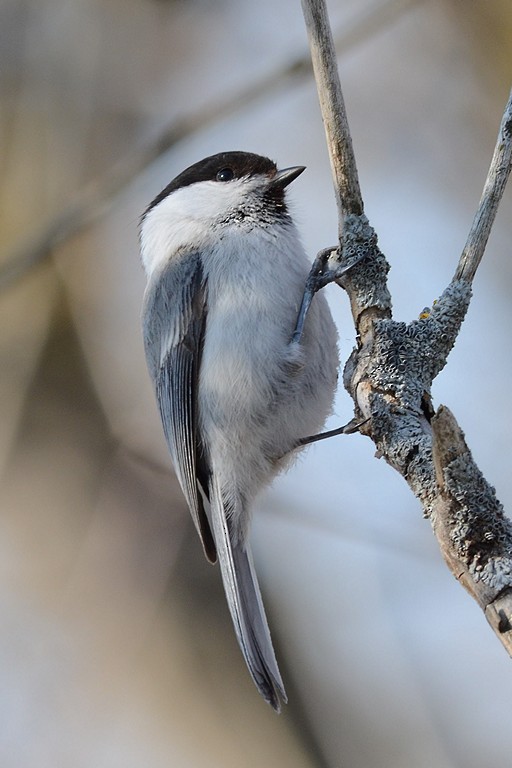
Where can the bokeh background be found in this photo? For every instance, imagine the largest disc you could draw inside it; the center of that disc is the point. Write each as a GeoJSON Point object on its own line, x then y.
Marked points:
{"type": "Point", "coordinates": [116, 649]}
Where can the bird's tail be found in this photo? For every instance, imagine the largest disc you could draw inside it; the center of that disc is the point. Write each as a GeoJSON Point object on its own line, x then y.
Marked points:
{"type": "Point", "coordinates": [245, 605]}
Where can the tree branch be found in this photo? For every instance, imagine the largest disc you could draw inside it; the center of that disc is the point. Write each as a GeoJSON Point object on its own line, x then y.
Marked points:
{"type": "Point", "coordinates": [472, 530]}
{"type": "Point", "coordinates": [495, 184]}
{"type": "Point", "coordinates": [390, 374]}
{"type": "Point", "coordinates": [332, 105]}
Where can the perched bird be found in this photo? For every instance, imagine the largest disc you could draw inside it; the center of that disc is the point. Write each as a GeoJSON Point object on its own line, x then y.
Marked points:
{"type": "Point", "coordinates": [236, 390]}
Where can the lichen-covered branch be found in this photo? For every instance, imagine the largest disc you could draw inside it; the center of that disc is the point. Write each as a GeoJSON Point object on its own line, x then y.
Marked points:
{"type": "Point", "coordinates": [390, 373]}
{"type": "Point", "coordinates": [473, 531]}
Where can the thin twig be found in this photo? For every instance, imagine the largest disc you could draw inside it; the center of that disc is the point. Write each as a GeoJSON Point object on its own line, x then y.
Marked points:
{"type": "Point", "coordinates": [332, 106]}
{"type": "Point", "coordinates": [495, 184]}
{"type": "Point", "coordinates": [390, 374]}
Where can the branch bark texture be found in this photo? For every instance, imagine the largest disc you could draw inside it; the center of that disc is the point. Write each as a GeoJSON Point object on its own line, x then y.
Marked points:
{"type": "Point", "coordinates": [390, 373]}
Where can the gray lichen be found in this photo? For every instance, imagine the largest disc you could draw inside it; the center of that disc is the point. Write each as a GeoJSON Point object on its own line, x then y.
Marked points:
{"type": "Point", "coordinates": [407, 357]}
{"type": "Point", "coordinates": [436, 333]}
{"type": "Point", "coordinates": [402, 439]}
{"type": "Point", "coordinates": [480, 532]}
{"type": "Point", "coordinates": [368, 283]}
{"type": "Point", "coordinates": [398, 365]}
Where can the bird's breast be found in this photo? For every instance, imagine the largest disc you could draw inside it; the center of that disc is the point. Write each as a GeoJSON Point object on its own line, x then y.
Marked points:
{"type": "Point", "coordinates": [254, 290]}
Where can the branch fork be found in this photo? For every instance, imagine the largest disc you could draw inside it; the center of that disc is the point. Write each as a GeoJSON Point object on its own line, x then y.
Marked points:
{"type": "Point", "coordinates": [390, 373]}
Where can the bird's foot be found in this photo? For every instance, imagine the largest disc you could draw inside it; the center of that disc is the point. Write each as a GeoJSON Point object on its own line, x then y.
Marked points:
{"type": "Point", "coordinates": [326, 268]}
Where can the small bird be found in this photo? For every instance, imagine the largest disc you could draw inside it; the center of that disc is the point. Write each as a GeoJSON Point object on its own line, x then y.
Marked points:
{"type": "Point", "coordinates": [237, 387]}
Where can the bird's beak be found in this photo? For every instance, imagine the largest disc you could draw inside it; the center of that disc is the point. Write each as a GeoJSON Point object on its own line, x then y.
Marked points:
{"type": "Point", "coordinates": [286, 176]}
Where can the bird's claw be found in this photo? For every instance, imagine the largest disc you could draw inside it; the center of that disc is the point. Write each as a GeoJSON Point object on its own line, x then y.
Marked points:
{"type": "Point", "coordinates": [326, 268]}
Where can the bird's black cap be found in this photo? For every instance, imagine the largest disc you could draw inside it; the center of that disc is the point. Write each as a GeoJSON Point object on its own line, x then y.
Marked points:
{"type": "Point", "coordinates": [222, 167]}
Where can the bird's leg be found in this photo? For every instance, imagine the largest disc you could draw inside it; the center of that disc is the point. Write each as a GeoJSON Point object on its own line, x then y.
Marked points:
{"type": "Point", "coordinates": [321, 274]}
{"type": "Point", "coordinates": [315, 281]}
{"type": "Point", "coordinates": [347, 429]}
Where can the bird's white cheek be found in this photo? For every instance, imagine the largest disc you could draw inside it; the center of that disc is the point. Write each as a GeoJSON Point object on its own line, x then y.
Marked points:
{"type": "Point", "coordinates": [162, 238]}
{"type": "Point", "coordinates": [188, 219]}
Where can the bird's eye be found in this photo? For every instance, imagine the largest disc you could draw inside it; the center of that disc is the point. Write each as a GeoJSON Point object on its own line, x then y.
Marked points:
{"type": "Point", "coordinates": [225, 174]}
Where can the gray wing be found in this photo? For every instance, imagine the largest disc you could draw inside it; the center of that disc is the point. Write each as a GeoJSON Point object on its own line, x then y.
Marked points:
{"type": "Point", "coordinates": [174, 314]}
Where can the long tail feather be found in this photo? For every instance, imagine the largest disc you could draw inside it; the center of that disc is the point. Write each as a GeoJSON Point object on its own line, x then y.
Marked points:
{"type": "Point", "coordinates": [246, 607]}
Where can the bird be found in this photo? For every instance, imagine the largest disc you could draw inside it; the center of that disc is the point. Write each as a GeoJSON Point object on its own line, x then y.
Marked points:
{"type": "Point", "coordinates": [238, 389]}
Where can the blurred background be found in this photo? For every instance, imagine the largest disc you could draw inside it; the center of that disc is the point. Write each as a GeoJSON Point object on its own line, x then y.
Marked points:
{"type": "Point", "coordinates": [116, 649]}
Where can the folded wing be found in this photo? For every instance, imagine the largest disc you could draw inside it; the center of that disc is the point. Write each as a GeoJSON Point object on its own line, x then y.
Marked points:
{"type": "Point", "coordinates": [174, 315]}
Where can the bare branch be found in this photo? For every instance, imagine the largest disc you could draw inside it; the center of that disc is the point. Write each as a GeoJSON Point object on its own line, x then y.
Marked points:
{"type": "Point", "coordinates": [494, 187]}
{"type": "Point", "coordinates": [332, 105]}
{"type": "Point", "coordinates": [390, 374]}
